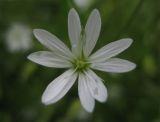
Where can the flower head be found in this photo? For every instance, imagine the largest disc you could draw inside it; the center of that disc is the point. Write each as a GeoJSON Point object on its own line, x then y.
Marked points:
{"type": "Point", "coordinates": [80, 61]}
{"type": "Point", "coordinates": [83, 4]}
{"type": "Point", "coordinates": [18, 38]}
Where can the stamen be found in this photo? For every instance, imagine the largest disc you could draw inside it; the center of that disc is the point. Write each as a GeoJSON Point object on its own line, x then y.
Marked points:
{"type": "Point", "coordinates": [80, 64]}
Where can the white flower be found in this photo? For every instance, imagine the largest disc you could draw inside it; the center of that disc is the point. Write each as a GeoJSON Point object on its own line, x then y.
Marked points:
{"type": "Point", "coordinates": [18, 38]}
{"type": "Point", "coordinates": [83, 4]}
{"type": "Point", "coordinates": [80, 61]}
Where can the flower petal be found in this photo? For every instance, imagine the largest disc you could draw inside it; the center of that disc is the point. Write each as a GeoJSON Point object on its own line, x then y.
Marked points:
{"type": "Point", "coordinates": [114, 65]}
{"type": "Point", "coordinates": [85, 96]}
{"type": "Point", "coordinates": [59, 87]}
{"type": "Point", "coordinates": [96, 86]}
{"type": "Point", "coordinates": [52, 42]}
{"type": "Point", "coordinates": [74, 29]}
{"type": "Point", "coordinates": [111, 49]}
{"type": "Point", "coordinates": [49, 59]}
{"type": "Point", "coordinates": [92, 31]}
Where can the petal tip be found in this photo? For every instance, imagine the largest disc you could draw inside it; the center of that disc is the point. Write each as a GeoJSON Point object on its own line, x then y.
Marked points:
{"type": "Point", "coordinates": [96, 10]}
{"type": "Point", "coordinates": [130, 40]}
{"type": "Point", "coordinates": [133, 66]}
{"type": "Point", "coordinates": [44, 100]}
{"type": "Point", "coordinates": [29, 57]}
{"type": "Point", "coordinates": [89, 110]}
{"type": "Point", "coordinates": [35, 30]}
{"type": "Point", "coordinates": [126, 41]}
{"type": "Point", "coordinates": [72, 10]}
{"type": "Point", "coordinates": [105, 99]}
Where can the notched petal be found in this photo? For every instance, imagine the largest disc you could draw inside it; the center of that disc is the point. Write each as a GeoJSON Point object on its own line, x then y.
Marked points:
{"type": "Point", "coordinates": [96, 86]}
{"type": "Point", "coordinates": [87, 101]}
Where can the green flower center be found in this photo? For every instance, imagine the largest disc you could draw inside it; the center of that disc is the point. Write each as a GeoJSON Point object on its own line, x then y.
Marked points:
{"type": "Point", "coordinates": [80, 64]}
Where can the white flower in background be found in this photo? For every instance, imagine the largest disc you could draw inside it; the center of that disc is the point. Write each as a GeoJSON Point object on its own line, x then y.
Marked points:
{"type": "Point", "coordinates": [80, 61]}
{"type": "Point", "coordinates": [83, 4]}
{"type": "Point", "coordinates": [18, 38]}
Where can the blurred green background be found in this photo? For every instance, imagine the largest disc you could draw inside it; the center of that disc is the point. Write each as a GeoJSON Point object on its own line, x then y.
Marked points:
{"type": "Point", "coordinates": [133, 96]}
